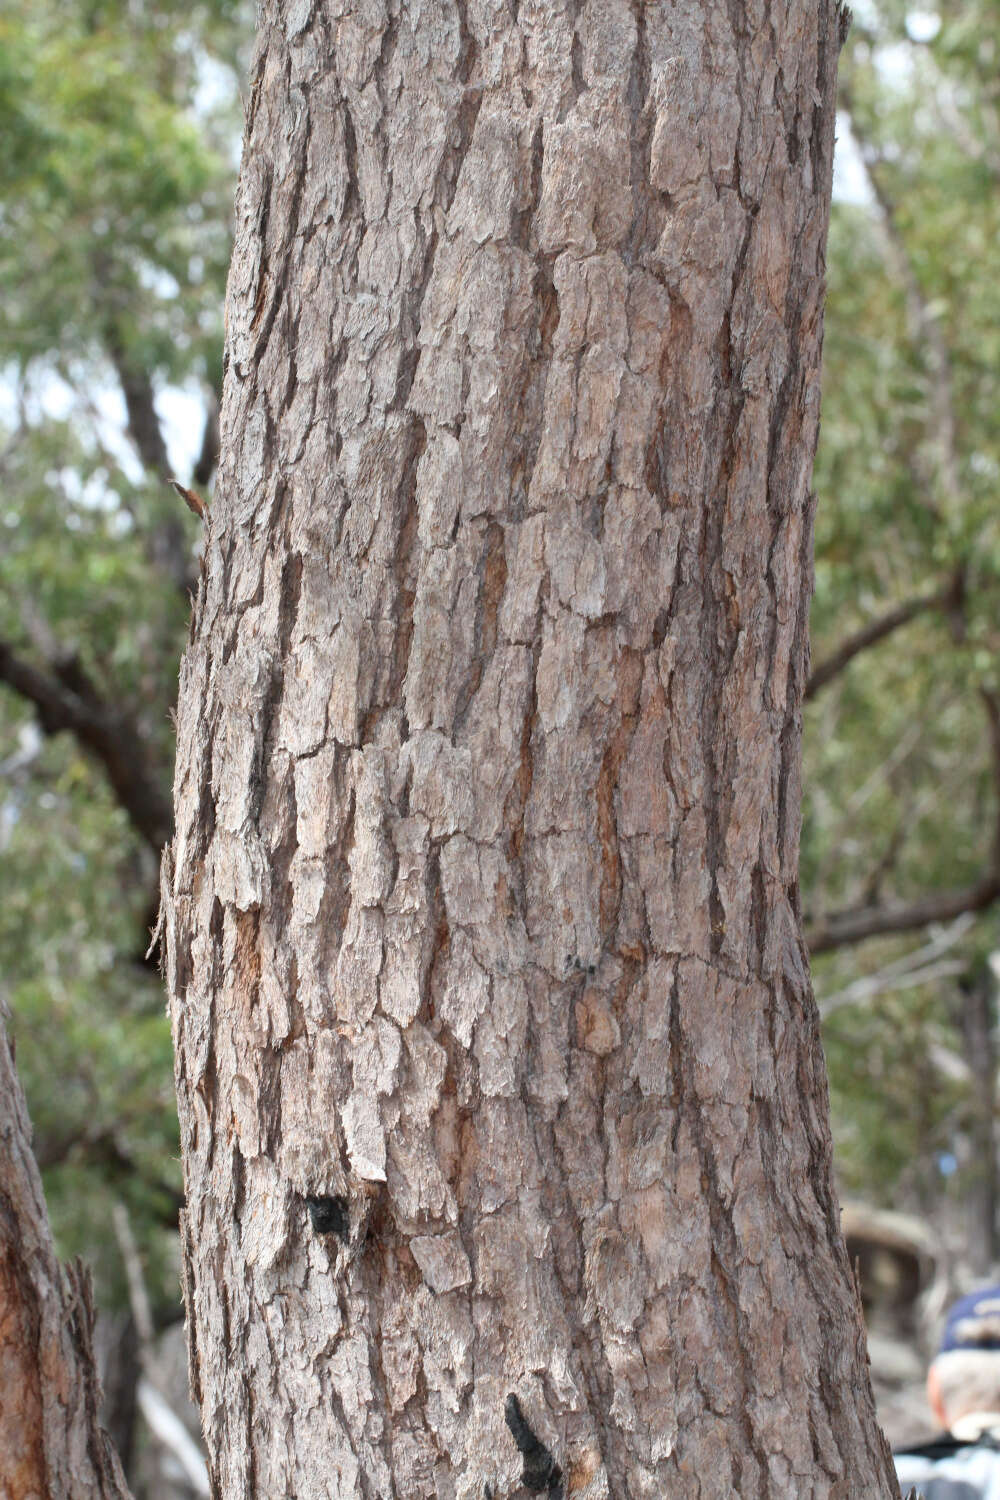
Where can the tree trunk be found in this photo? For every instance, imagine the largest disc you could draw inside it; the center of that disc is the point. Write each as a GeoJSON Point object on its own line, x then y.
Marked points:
{"type": "Point", "coordinates": [51, 1443]}
{"type": "Point", "coordinates": [976, 1017]}
{"type": "Point", "coordinates": [503, 1107]}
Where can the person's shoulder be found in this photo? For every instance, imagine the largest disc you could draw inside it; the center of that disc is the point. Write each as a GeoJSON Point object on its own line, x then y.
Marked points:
{"type": "Point", "coordinates": [951, 1468]}
{"type": "Point", "coordinates": [946, 1445]}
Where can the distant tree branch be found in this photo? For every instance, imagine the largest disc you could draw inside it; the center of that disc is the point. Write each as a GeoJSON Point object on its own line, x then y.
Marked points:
{"type": "Point", "coordinates": [208, 458]}
{"type": "Point", "coordinates": [101, 1149]}
{"type": "Point", "coordinates": [141, 418]}
{"type": "Point", "coordinates": [167, 542]}
{"type": "Point", "coordinates": [65, 698]}
{"type": "Point", "coordinates": [841, 929]}
{"type": "Point", "coordinates": [950, 598]}
{"type": "Point", "coordinates": [922, 965]}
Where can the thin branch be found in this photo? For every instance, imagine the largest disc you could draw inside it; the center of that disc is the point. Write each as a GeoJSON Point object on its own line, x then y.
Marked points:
{"type": "Point", "coordinates": [921, 966]}
{"type": "Point", "coordinates": [167, 542]}
{"type": "Point", "coordinates": [165, 1424]}
{"type": "Point", "coordinates": [991, 703]}
{"type": "Point", "coordinates": [138, 1296]}
{"type": "Point", "coordinates": [102, 1149]}
{"type": "Point", "coordinates": [65, 698]}
{"type": "Point", "coordinates": [140, 409]}
{"type": "Point", "coordinates": [841, 929]}
{"type": "Point", "coordinates": [163, 1421]}
{"type": "Point", "coordinates": [950, 598]}
{"type": "Point", "coordinates": [208, 458]}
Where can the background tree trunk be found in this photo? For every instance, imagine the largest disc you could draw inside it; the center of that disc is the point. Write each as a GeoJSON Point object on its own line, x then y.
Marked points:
{"type": "Point", "coordinates": [51, 1441]}
{"type": "Point", "coordinates": [502, 1101]}
{"type": "Point", "coordinates": [976, 1008]}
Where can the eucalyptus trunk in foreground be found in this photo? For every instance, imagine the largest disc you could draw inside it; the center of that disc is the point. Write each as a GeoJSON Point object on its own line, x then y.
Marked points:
{"type": "Point", "coordinates": [502, 1099]}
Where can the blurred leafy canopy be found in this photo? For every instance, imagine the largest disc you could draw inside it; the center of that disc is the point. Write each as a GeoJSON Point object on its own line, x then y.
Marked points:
{"type": "Point", "coordinates": [120, 125]}
{"type": "Point", "coordinates": [900, 775]}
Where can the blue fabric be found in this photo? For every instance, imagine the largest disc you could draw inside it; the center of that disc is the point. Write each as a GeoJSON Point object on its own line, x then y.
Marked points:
{"type": "Point", "coordinates": [974, 1321]}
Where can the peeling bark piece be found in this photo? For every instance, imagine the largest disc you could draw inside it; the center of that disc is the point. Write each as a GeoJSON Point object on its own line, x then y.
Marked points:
{"type": "Point", "coordinates": [442, 1260]}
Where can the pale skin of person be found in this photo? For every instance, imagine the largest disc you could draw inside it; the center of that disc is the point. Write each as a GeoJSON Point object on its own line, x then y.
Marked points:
{"type": "Point", "coordinates": [950, 1406]}
{"type": "Point", "coordinates": [934, 1399]}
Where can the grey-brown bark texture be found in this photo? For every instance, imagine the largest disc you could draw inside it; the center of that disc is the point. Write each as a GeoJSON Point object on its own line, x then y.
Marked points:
{"type": "Point", "coordinates": [52, 1446]}
{"type": "Point", "coordinates": [482, 913]}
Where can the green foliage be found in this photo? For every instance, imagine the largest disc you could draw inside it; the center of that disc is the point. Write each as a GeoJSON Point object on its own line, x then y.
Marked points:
{"type": "Point", "coordinates": [900, 777]}
{"type": "Point", "coordinates": [117, 194]}
{"type": "Point", "coordinates": [75, 557]}
{"type": "Point", "coordinates": [120, 125]}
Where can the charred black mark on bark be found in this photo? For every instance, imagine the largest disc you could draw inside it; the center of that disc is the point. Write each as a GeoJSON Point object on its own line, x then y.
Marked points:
{"type": "Point", "coordinates": [238, 1178]}
{"type": "Point", "coordinates": [288, 609]}
{"type": "Point", "coordinates": [438, 948]}
{"type": "Point", "coordinates": [541, 1472]}
{"type": "Point", "coordinates": [330, 1216]}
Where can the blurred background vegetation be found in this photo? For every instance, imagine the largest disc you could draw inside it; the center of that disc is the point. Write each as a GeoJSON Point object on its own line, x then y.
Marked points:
{"type": "Point", "coordinates": [121, 127]}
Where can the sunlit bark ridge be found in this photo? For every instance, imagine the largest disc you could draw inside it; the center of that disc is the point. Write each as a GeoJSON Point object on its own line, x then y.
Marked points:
{"type": "Point", "coordinates": [503, 1108]}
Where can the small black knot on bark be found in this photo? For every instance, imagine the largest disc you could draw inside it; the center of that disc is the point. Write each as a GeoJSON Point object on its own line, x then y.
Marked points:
{"type": "Point", "coordinates": [541, 1472]}
{"type": "Point", "coordinates": [330, 1216]}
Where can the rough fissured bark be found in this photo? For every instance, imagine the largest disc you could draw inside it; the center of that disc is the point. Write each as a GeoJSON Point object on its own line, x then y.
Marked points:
{"type": "Point", "coordinates": [502, 1100]}
{"type": "Point", "coordinates": [52, 1446]}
